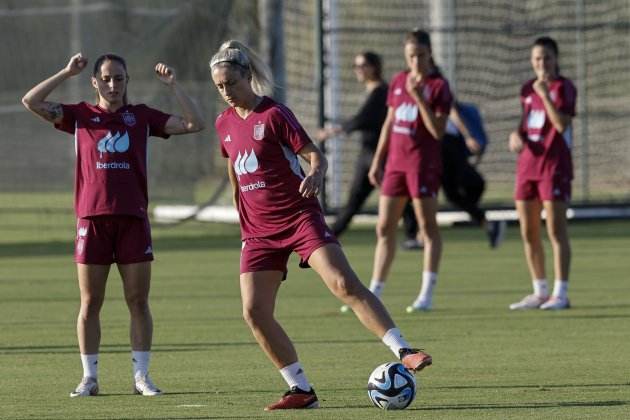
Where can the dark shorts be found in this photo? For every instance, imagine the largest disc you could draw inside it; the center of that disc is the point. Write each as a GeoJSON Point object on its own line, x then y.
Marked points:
{"type": "Point", "coordinates": [105, 240]}
{"type": "Point", "coordinates": [306, 235]}
{"type": "Point", "coordinates": [414, 184]}
{"type": "Point", "coordinates": [556, 188]}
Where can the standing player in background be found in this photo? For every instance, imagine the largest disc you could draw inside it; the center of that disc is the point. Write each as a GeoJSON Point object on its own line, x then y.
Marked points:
{"type": "Point", "coordinates": [544, 172]}
{"type": "Point", "coordinates": [368, 69]}
{"type": "Point", "coordinates": [111, 199]}
{"type": "Point", "coordinates": [419, 101]}
{"type": "Point", "coordinates": [279, 213]}
{"type": "Point", "coordinates": [463, 185]}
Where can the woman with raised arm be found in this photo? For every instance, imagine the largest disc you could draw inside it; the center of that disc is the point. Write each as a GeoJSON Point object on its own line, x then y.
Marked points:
{"type": "Point", "coordinates": [407, 163]}
{"type": "Point", "coordinates": [279, 214]}
{"type": "Point", "coordinates": [111, 199]}
{"type": "Point", "coordinates": [544, 172]}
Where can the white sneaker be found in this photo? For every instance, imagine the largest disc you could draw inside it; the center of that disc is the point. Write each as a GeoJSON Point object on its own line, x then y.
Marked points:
{"type": "Point", "coordinates": [556, 303]}
{"type": "Point", "coordinates": [87, 387]}
{"type": "Point", "coordinates": [529, 302]}
{"type": "Point", "coordinates": [145, 386]}
{"type": "Point", "coordinates": [420, 306]}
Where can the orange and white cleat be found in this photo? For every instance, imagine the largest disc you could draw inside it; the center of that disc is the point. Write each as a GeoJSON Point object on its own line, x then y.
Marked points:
{"type": "Point", "coordinates": [415, 359]}
{"type": "Point", "coordinates": [295, 398]}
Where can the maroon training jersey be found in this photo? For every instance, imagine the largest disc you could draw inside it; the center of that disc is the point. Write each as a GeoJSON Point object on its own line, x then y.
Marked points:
{"type": "Point", "coordinates": [262, 148]}
{"type": "Point", "coordinates": [411, 146]}
{"type": "Point", "coordinates": [111, 149]}
{"type": "Point", "coordinates": [546, 152]}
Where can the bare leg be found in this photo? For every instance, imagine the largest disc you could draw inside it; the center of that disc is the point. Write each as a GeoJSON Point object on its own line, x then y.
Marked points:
{"type": "Point", "coordinates": [426, 211]}
{"type": "Point", "coordinates": [258, 293]}
{"type": "Point", "coordinates": [92, 281]}
{"type": "Point", "coordinates": [136, 280]}
{"type": "Point", "coordinates": [559, 236]}
{"type": "Point", "coordinates": [529, 218]}
{"type": "Point", "coordinates": [389, 212]}
{"type": "Point", "coordinates": [331, 264]}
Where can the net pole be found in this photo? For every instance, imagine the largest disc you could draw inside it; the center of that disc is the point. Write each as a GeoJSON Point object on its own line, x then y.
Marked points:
{"type": "Point", "coordinates": [442, 21]}
{"type": "Point", "coordinates": [271, 15]}
{"type": "Point", "coordinates": [331, 99]}
{"type": "Point", "coordinates": [320, 82]}
{"type": "Point", "coordinates": [583, 97]}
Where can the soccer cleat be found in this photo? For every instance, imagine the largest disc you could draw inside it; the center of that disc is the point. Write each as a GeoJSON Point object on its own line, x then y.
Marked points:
{"type": "Point", "coordinates": [144, 386]}
{"type": "Point", "coordinates": [88, 387]}
{"type": "Point", "coordinates": [344, 309]}
{"type": "Point", "coordinates": [496, 232]}
{"type": "Point", "coordinates": [411, 244]}
{"type": "Point", "coordinates": [414, 359]}
{"type": "Point", "coordinates": [556, 303]}
{"type": "Point", "coordinates": [295, 398]}
{"type": "Point", "coordinates": [529, 302]}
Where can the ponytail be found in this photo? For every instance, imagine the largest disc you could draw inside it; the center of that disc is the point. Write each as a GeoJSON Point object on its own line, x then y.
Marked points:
{"type": "Point", "coordinates": [236, 54]}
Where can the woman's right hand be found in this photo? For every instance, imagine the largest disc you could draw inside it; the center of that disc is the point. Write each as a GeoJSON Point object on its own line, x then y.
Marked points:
{"type": "Point", "coordinates": [375, 175]}
{"type": "Point", "coordinates": [76, 64]}
{"type": "Point", "coordinates": [516, 142]}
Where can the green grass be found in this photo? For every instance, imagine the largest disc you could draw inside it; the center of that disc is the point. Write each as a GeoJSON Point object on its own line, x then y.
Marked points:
{"type": "Point", "coordinates": [489, 363]}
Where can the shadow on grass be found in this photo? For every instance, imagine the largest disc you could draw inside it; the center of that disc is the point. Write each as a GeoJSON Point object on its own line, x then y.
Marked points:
{"type": "Point", "coordinates": [538, 405]}
{"type": "Point", "coordinates": [176, 243]}
{"type": "Point", "coordinates": [161, 348]}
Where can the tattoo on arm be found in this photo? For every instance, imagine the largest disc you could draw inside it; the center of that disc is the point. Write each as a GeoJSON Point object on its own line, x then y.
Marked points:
{"type": "Point", "coordinates": [51, 111]}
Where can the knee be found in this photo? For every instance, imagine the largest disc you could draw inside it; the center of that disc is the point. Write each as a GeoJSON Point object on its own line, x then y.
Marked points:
{"type": "Point", "coordinates": [530, 234]}
{"type": "Point", "coordinates": [385, 229]}
{"type": "Point", "coordinates": [344, 287]}
{"type": "Point", "coordinates": [137, 302]}
{"type": "Point", "coordinates": [91, 305]}
{"type": "Point", "coordinates": [255, 315]}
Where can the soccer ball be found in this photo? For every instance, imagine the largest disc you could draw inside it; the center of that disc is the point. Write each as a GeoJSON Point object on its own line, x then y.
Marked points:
{"type": "Point", "coordinates": [391, 386]}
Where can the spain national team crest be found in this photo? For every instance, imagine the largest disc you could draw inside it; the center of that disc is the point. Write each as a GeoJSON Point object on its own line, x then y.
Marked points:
{"type": "Point", "coordinates": [129, 118]}
{"type": "Point", "coordinates": [259, 131]}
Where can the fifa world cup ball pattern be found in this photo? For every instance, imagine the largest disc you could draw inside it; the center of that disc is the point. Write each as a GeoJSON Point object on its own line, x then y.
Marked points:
{"type": "Point", "coordinates": [391, 386]}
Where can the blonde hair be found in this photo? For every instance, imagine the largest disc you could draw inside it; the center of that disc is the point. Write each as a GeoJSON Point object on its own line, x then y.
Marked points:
{"type": "Point", "coordinates": [235, 53]}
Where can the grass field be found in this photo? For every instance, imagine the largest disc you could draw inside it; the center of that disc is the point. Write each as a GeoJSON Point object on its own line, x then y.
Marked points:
{"type": "Point", "coordinates": [489, 363]}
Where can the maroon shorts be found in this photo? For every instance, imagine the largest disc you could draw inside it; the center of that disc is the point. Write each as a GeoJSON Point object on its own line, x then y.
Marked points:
{"type": "Point", "coordinates": [414, 184]}
{"type": "Point", "coordinates": [118, 239]}
{"type": "Point", "coordinates": [306, 235]}
{"type": "Point", "coordinates": [556, 188]}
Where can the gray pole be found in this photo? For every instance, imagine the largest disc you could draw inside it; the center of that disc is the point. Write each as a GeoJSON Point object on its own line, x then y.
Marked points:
{"type": "Point", "coordinates": [271, 18]}
{"type": "Point", "coordinates": [582, 110]}
{"type": "Point", "coordinates": [442, 18]}
{"type": "Point", "coordinates": [320, 81]}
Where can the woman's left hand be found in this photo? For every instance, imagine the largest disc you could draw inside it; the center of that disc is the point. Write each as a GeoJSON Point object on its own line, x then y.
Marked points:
{"type": "Point", "coordinates": [311, 185]}
{"type": "Point", "coordinates": [165, 73]}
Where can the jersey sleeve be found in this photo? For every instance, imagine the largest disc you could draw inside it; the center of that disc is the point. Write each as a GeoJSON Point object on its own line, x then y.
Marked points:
{"type": "Point", "coordinates": [157, 122]}
{"type": "Point", "coordinates": [289, 129]}
{"type": "Point", "coordinates": [567, 98]}
{"type": "Point", "coordinates": [70, 116]}
{"type": "Point", "coordinates": [443, 99]}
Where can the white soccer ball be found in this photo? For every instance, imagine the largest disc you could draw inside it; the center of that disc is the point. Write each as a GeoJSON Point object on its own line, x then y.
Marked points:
{"type": "Point", "coordinates": [391, 386]}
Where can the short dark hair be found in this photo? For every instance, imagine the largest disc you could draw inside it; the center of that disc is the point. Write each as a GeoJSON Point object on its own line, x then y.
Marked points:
{"type": "Point", "coordinates": [418, 36]}
{"type": "Point", "coordinates": [108, 57]}
{"type": "Point", "coordinates": [374, 60]}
